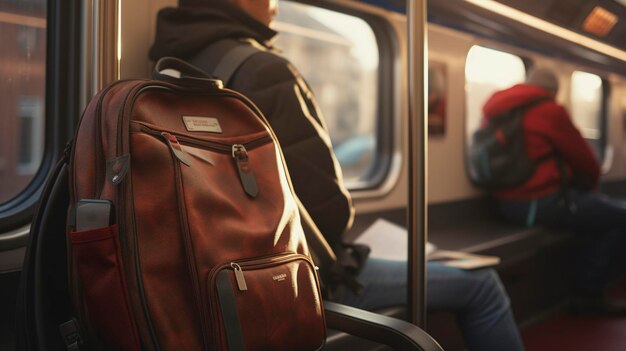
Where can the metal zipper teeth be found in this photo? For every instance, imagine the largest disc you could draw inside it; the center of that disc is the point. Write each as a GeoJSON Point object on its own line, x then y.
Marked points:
{"type": "Point", "coordinates": [191, 262]}
{"type": "Point", "coordinates": [255, 263]}
{"type": "Point", "coordinates": [98, 141]}
{"type": "Point", "coordinates": [216, 92]}
{"type": "Point", "coordinates": [135, 91]}
{"type": "Point", "coordinates": [98, 156]}
{"type": "Point", "coordinates": [142, 291]}
{"type": "Point", "coordinates": [143, 89]}
{"type": "Point", "coordinates": [206, 144]}
{"type": "Point", "coordinates": [191, 257]}
{"type": "Point", "coordinates": [222, 148]}
{"type": "Point", "coordinates": [122, 194]}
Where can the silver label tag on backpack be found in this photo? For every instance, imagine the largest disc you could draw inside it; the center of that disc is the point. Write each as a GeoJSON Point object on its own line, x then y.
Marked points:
{"type": "Point", "coordinates": [202, 124]}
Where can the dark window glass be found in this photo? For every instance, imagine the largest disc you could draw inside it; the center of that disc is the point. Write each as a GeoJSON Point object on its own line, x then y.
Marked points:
{"type": "Point", "coordinates": [26, 135]}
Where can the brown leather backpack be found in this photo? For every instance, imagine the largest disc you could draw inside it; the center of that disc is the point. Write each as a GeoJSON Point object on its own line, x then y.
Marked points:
{"type": "Point", "coordinates": [203, 249]}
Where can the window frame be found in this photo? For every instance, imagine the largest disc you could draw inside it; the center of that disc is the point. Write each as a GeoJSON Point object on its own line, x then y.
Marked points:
{"type": "Point", "coordinates": [59, 112]}
{"type": "Point", "coordinates": [388, 51]}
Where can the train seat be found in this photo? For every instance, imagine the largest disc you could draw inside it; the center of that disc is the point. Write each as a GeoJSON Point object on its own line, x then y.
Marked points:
{"type": "Point", "coordinates": [532, 259]}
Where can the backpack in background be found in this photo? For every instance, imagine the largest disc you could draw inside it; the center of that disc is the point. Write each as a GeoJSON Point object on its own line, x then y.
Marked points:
{"type": "Point", "coordinates": [497, 154]}
{"type": "Point", "coordinates": [183, 232]}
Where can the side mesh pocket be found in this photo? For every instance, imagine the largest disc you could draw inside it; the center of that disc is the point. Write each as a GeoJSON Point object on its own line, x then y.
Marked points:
{"type": "Point", "coordinates": [103, 287]}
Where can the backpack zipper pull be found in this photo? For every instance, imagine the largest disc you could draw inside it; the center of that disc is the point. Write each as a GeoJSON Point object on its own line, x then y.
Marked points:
{"type": "Point", "coordinates": [240, 155]}
{"type": "Point", "coordinates": [175, 147]}
{"type": "Point", "coordinates": [241, 281]}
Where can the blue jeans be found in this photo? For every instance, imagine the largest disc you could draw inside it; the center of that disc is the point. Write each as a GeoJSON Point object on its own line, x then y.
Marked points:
{"type": "Point", "coordinates": [598, 219]}
{"type": "Point", "coordinates": [477, 298]}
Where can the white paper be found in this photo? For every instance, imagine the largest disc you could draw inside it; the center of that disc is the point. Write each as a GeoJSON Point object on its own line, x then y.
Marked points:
{"type": "Point", "coordinates": [388, 241]}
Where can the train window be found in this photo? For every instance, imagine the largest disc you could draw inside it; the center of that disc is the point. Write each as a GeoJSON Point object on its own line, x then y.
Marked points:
{"type": "Point", "coordinates": [487, 71]}
{"type": "Point", "coordinates": [586, 107]}
{"type": "Point", "coordinates": [22, 87]}
{"type": "Point", "coordinates": [339, 57]}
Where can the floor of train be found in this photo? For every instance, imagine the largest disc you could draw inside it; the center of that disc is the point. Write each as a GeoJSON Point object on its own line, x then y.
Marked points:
{"type": "Point", "coordinates": [561, 330]}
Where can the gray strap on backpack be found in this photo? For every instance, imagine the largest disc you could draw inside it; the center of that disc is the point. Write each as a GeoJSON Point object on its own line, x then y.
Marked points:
{"type": "Point", "coordinates": [230, 62]}
{"type": "Point", "coordinates": [230, 315]}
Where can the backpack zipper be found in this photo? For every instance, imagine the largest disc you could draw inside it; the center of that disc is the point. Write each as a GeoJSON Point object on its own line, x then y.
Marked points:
{"type": "Point", "coordinates": [239, 267]}
{"type": "Point", "coordinates": [222, 147]}
{"type": "Point", "coordinates": [184, 226]}
{"type": "Point", "coordinates": [239, 152]}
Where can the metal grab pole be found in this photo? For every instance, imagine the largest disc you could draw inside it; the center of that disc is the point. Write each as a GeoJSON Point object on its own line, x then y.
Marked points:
{"type": "Point", "coordinates": [100, 36]}
{"type": "Point", "coordinates": [417, 206]}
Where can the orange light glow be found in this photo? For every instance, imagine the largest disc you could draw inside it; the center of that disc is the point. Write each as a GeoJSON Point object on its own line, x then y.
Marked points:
{"type": "Point", "coordinates": [599, 21]}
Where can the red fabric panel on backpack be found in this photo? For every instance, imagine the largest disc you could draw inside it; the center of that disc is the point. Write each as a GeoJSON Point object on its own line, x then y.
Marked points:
{"type": "Point", "coordinates": [103, 288]}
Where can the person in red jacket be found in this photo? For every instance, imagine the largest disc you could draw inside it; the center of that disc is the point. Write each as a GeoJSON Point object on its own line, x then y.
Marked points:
{"type": "Point", "coordinates": [560, 193]}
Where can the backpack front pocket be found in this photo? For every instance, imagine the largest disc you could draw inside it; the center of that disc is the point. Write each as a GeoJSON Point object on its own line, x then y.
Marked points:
{"type": "Point", "coordinates": [271, 303]}
{"type": "Point", "coordinates": [99, 270]}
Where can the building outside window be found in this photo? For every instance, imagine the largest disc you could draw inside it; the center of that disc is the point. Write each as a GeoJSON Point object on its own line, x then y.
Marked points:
{"type": "Point", "coordinates": [22, 93]}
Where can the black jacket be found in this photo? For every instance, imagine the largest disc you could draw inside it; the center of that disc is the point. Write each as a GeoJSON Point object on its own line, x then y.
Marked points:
{"type": "Point", "coordinates": [283, 96]}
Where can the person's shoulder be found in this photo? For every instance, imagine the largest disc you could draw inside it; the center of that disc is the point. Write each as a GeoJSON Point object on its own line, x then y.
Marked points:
{"type": "Point", "coordinates": [272, 65]}
{"type": "Point", "coordinates": [551, 108]}
{"type": "Point", "coordinates": [519, 95]}
{"type": "Point", "coordinates": [265, 51]}
{"type": "Point", "coordinates": [548, 117]}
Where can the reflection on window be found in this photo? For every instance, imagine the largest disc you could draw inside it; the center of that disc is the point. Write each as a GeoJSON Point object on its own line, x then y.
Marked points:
{"type": "Point", "coordinates": [487, 71]}
{"type": "Point", "coordinates": [30, 115]}
{"type": "Point", "coordinates": [586, 102]}
{"type": "Point", "coordinates": [338, 56]}
{"type": "Point", "coordinates": [22, 63]}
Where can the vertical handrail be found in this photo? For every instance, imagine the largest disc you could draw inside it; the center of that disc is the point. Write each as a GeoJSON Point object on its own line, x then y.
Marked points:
{"type": "Point", "coordinates": [417, 206]}
{"type": "Point", "coordinates": [100, 47]}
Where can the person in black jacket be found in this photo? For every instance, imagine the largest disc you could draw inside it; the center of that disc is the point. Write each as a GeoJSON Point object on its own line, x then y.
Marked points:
{"type": "Point", "coordinates": [203, 32]}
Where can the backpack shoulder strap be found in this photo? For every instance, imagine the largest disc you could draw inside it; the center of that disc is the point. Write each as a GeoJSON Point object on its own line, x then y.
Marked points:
{"type": "Point", "coordinates": [230, 61]}
{"type": "Point", "coordinates": [43, 298]}
{"type": "Point", "coordinates": [517, 111]}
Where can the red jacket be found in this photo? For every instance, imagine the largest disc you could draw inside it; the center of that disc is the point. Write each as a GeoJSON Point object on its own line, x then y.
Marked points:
{"type": "Point", "coordinates": [547, 129]}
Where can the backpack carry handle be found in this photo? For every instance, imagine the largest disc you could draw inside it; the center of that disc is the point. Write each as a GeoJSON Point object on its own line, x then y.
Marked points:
{"type": "Point", "coordinates": [179, 72]}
